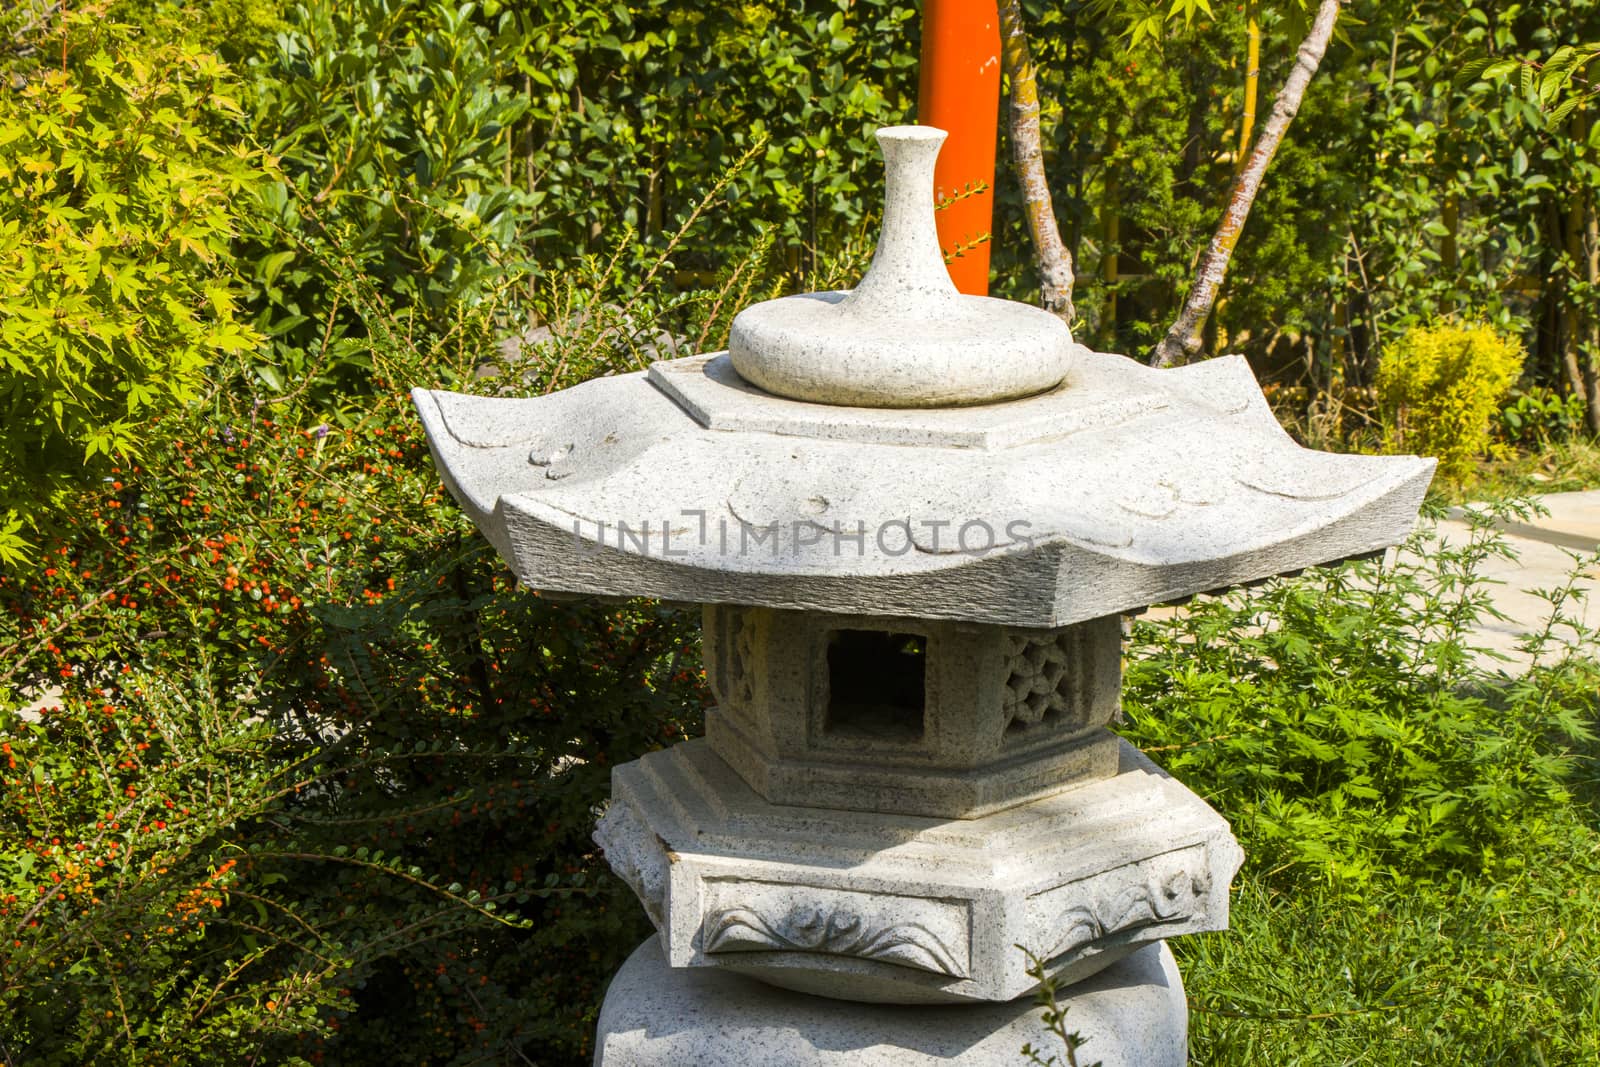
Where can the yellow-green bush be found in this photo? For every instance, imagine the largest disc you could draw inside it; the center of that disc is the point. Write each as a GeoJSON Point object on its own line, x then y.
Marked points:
{"type": "Point", "coordinates": [120, 198]}
{"type": "Point", "coordinates": [1440, 387]}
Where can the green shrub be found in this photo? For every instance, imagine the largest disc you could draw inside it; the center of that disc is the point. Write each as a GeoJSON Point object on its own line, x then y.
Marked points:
{"type": "Point", "coordinates": [382, 759]}
{"type": "Point", "coordinates": [319, 783]}
{"type": "Point", "coordinates": [1440, 387]}
{"type": "Point", "coordinates": [392, 118]}
{"type": "Point", "coordinates": [1344, 724]}
{"type": "Point", "coordinates": [119, 203]}
{"type": "Point", "coordinates": [1537, 417]}
{"type": "Point", "coordinates": [390, 121]}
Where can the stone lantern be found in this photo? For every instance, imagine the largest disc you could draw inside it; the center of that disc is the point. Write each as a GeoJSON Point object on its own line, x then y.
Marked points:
{"type": "Point", "coordinates": [914, 519]}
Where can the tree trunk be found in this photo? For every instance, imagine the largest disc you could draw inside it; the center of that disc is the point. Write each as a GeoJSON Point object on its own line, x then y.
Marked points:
{"type": "Point", "coordinates": [1449, 249]}
{"type": "Point", "coordinates": [1547, 314]}
{"type": "Point", "coordinates": [1027, 156]}
{"type": "Point", "coordinates": [1591, 361]}
{"type": "Point", "coordinates": [1111, 221]}
{"type": "Point", "coordinates": [1591, 358]}
{"type": "Point", "coordinates": [1569, 339]}
{"type": "Point", "coordinates": [1184, 339]}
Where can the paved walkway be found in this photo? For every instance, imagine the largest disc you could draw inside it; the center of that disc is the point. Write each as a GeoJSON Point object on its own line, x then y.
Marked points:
{"type": "Point", "coordinates": [1544, 545]}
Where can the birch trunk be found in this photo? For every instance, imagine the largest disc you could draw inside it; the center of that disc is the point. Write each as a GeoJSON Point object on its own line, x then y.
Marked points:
{"type": "Point", "coordinates": [1051, 255]}
{"type": "Point", "coordinates": [1184, 339]}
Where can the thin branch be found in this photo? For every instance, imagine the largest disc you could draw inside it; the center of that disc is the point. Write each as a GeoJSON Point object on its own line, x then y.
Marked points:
{"type": "Point", "coordinates": [1184, 340]}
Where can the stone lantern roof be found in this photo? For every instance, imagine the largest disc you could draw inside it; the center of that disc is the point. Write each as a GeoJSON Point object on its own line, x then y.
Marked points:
{"type": "Point", "coordinates": [890, 467]}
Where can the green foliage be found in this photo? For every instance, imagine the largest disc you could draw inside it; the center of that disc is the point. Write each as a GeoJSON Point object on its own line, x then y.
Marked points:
{"type": "Point", "coordinates": [1557, 83]}
{"type": "Point", "coordinates": [1141, 148]}
{"type": "Point", "coordinates": [634, 107]}
{"type": "Point", "coordinates": [1345, 725]}
{"type": "Point", "coordinates": [115, 869]}
{"type": "Point", "coordinates": [1418, 826]}
{"type": "Point", "coordinates": [393, 118]}
{"type": "Point", "coordinates": [1440, 387]}
{"type": "Point", "coordinates": [121, 201]}
{"type": "Point", "coordinates": [1409, 975]}
{"type": "Point", "coordinates": [340, 772]}
{"type": "Point", "coordinates": [1148, 22]}
{"type": "Point", "coordinates": [392, 123]}
{"type": "Point", "coordinates": [1456, 179]}
{"type": "Point", "coordinates": [1537, 417]}
{"type": "Point", "coordinates": [430, 148]}
{"type": "Point", "coordinates": [1562, 466]}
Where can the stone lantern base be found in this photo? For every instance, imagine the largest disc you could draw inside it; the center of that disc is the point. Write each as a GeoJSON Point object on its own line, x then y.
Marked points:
{"type": "Point", "coordinates": [901, 909]}
{"type": "Point", "coordinates": [1132, 1014]}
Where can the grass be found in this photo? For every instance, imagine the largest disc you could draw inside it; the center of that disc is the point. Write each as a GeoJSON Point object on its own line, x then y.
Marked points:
{"type": "Point", "coordinates": [1561, 467]}
{"type": "Point", "coordinates": [1487, 954]}
{"type": "Point", "coordinates": [1480, 971]}
{"type": "Point", "coordinates": [1493, 972]}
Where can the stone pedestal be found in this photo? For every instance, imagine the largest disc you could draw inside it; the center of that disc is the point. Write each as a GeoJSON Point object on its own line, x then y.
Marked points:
{"type": "Point", "coordinates": [904, 909]}
{"type": "Point", "coordinates": [1132, 1014]}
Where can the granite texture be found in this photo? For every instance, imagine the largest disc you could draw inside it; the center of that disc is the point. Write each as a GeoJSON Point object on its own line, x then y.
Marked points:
{"type": "Point", "coordinates": [711, 391]}
{"type": "Point", "coordinates": [914, 716]}
{"type": "Point", "coordinates": [904, 337]}
{"type": "Point", "coordinates": [1182, 483]}
{"type": "Point", "coordinates": [904, 909]}
{"type": "Point", "coordinates": [1132, 1015]}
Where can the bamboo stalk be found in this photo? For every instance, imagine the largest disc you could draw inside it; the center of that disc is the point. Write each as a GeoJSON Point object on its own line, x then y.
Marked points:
{"type": "Point", "coordinates": [1252, 81]}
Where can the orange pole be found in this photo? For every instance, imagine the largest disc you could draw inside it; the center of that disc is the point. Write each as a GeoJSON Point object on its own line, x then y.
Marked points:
{"type": "Point", "coordinates": [959, 91]}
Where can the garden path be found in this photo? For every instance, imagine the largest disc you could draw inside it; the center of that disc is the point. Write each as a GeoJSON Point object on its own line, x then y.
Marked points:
{"type": "Point", "coordinates": [1545, 546]}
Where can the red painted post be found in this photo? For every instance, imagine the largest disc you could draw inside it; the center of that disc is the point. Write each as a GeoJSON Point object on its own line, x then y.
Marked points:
{"type": "Point", "coordinates": [959, 91]}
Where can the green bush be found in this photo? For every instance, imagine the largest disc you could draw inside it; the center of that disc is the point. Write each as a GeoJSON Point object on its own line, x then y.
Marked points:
{"type": "Point", "coordinates": [1440, 387]}
{"type": "Point", "coordinates": [393, 119]}
{"type": "Point", "coordinates": [390, 121]}
{"type": "Point", "coordinates": [1345, 725]}
{"type": "Point", "coordinates": [322, 781]}
{"type": "Point", "coordinates": [120, 200]}
{"type": "Point", "coordinates": [1537, 417]}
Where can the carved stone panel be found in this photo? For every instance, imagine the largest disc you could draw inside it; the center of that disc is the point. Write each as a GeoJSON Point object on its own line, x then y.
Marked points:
{"type": "Point", "coordinates": [909, 716]}
{"type": "Point", "coordinates": [925, 934]}
{"type": "Point", "coordinates": [1042, 681]}
{"type": "Point", "coordinates": [1165, 890]}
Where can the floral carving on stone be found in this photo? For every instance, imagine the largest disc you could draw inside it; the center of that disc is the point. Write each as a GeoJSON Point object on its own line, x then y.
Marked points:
{"type": "Point", "coordinates": [838, 933]}
{"type": "Point", "coordinates": [1172, 888]}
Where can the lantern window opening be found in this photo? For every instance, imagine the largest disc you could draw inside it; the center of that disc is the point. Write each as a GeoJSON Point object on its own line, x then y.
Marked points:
{"type": "Point", "coordinates": [877, 685]}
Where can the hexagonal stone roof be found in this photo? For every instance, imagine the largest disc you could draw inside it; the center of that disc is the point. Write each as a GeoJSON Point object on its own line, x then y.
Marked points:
{"type": "Point", "coordinates": [1122, 487]}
